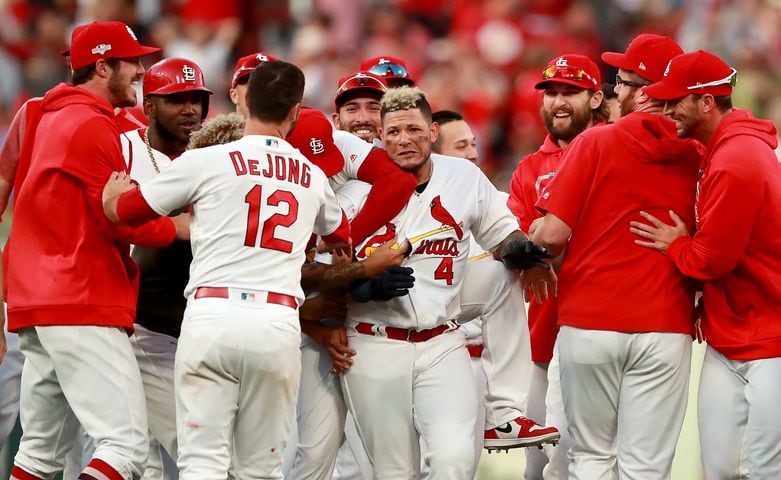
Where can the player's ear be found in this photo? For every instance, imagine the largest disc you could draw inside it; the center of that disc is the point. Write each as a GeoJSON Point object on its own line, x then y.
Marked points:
{"type": "Point", "coordinates": [335, 120]}
{"type": "Point", "coordinates": [294, 112]}
{"type": "Point", "coordinates": [234, 94]}
{"type": "Point", "coordinates": [149, 107]}
{"type": "Point", "coordinates": [596, 99]}
{"type": "Point", "coordinates": [434, 131]}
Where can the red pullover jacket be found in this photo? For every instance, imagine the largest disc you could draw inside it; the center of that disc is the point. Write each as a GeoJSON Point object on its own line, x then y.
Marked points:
{"type": "Point", "coordinates": [737, 247]}
{"type": "Point", "coordinates": [66, 263]}
{"type": "Point", "coordinates": [533, 174]}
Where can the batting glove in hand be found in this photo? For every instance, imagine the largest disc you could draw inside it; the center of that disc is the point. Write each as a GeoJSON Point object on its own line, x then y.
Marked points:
{"type": "Point", "coordinates": [524, 254]}
{"type": "Point", "coordinates": [393, 282]}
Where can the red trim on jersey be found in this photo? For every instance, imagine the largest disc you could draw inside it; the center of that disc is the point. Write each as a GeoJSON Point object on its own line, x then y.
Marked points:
{"type": "Point", "coordinates": [391, 189]}
{"type": "Point", "coordinates": [101, 468]}
{"type": "Point", "coordinates": [18, 474]}
{"type": "Point", "coordinates": [132, 208]}
{"type": "Point", "coordinates": [341, 234]}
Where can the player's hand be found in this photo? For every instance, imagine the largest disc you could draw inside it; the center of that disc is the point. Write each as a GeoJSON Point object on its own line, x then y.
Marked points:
{"type": "Point", "coordinates": [524, 254]}
{"type": "Point", "coordinates": [317, 308]}
{"type": "Point", "coordinates": [387, 255]}
{"type": "Point", "coordinates": [539, 283]}
{"type": "Point", "coordinates": [335, 341]}
{"type": "Point", "coordinates": [534, 226]}
{"type": "Point", "coordinates": [340, 248]}
{"type": "Point", "coordinates": [659, 235]}
{"type": "Point", "coordinates": [182, 224]}
{"type": "Point", "coordinates": [394, 282]}
{"type": "Point", "coordinates": [118, 183]}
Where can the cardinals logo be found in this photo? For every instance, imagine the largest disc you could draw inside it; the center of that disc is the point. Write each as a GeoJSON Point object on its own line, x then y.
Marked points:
{"type": "Point", "coordinates": [441, 215]}
{"type": "Point", "coordinates": [373, 242]}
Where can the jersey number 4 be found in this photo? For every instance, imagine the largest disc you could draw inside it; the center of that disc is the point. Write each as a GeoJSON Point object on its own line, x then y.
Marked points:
{"type": "Point", "coordinates": [267, 238]}
{"type": "Point", "coordinates": [445, 270]}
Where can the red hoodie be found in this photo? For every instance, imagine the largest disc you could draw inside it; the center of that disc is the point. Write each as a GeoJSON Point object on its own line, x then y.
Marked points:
{"type": "Point", "coordinates": [67, 264]}
{"type": "Point", "coordinates": [737, 247]}
{"type": "Point", "coordinates": [606, 177]}
{"type": "Point", "coordinates": [533, 174]}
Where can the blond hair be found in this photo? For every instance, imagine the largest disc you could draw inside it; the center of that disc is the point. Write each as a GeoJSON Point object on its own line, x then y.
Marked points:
{"type": "Point", "coordinates": [221, 129]}
{"type": "Point", "coordinates": [405, 98]}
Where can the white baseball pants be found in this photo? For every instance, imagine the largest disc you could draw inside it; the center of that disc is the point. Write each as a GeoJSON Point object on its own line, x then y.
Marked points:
{"type": "Point", "coordinates": [536, 459]}
{"type": "Point", "coordinates": [397, 390]}
{"type": "Point", "coordinates": [739, 417]}
{"type": "Point", "coordinates": [10, 384]}
{"type": "Point", "coordinates": [493, 293]}
{"type": "Point", "coordinates": [236, 377]}
{"type": "Point", "coordinates": [87, 375]}
{"type": "Point", "coordinates": [558, 461]}
{"type": "Point", "coordinates": [625, 398]}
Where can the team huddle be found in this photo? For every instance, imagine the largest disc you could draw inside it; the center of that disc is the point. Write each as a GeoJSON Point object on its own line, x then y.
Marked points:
{"type": "Point", "coordinates": [275, 294]}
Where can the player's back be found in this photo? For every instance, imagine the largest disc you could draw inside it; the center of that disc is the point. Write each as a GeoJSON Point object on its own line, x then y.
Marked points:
{"type": "Point", "coordinates": [254, 208]}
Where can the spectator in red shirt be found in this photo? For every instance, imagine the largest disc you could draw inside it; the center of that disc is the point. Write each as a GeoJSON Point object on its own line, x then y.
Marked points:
{"type": "Point", "coordinates": [572, 102]}
{"type": "Point", "coordinates": [736, 252]}
{"type": "Point", "coordinates": [625, 316]}
{"type": "Point", "coordinates": [74, 309]}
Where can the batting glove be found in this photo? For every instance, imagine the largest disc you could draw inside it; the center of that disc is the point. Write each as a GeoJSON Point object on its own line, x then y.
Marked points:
{"type": "Point", "coordinates": [524, 254]}
{"type": "Point", "coordinates": [393, 282]}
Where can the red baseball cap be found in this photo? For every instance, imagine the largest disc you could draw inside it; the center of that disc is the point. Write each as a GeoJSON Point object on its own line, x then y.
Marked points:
{"type": "Point", "coordinates": [102, 40]}
{"type": "Point", "coordinates": [313, 135]}
{"type": "Point", "coordinates": [365, 83]}
{"type": "Point", "coordinates": [577, 70]}
{"type": "Point", "coordinates": [698, 72]}
{"type": "Point", "coordinates": [247, 64]}
{"type": "Point", "coordinates": [647, 55]}
{"type": "Point", "coordinates": [393, 69]}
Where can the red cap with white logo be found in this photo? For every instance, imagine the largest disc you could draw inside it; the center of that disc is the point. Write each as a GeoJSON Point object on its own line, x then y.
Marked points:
{"type": "Point", "coordinates": [102, 40]}
{"type": "Point", "coordinates": [247, 64]}
{"type": "Point", "coordinates": [647, 55]}
{"type": "Point", "coordinates": [313, 136]}
{"type": "Point", "coordinates": [698, 72]}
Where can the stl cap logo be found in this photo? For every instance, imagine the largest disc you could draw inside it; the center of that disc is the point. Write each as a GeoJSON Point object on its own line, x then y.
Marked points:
{"type": "Point", "coordinates": [189, 73]}
{"type": "Point", "coordinates": [317, 146]}
{"type": "Point", "coordinates": [101, 49]}
{"type": "Point", "coordinates": [561, 62]}
{"type": "Point", "coordinates": [667, 70]}
{"type": "Point", "coordinates": [383, 61]}
{"type": "Point", "coordinates": [130, 31]}
{"type": "Point", "coordinates": [261, 58]}
{"type": "Point", "coordinates": [643, 67]}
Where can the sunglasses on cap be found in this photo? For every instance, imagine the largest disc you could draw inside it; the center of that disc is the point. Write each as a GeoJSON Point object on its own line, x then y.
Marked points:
{"type": "Point", "coordinates": [360, 80]}
{"type": "Point", "coordinates": [568, 72]}
{"type": "Point", "coordinates": [731, 80]}
{"type": "Point", "coordinates": [389, 70]}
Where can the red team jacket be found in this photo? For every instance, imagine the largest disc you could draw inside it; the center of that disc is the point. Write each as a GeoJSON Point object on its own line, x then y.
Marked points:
{"type": "Point", "coordinates": [737, 247]}
{"type": "Point", "coordinates": [533, 174]}
{"type": "Point", "coordinates": [606, 176]}
{"type": "Point", "coordinates": [67, 264]}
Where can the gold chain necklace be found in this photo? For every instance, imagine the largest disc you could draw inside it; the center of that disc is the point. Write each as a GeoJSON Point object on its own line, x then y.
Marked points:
{"type": "Point", "coordinates": [149, 151]}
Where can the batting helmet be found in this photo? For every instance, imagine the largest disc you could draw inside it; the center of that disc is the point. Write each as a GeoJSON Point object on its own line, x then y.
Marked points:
{"type": "Point", "coordinates": [174, 75]}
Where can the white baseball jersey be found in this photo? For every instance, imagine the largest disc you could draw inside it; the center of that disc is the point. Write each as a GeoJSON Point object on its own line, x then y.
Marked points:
{"type": "Point", "coordinates": [458, 201]}
{"type": "Point", "coordinates": [255, 202]}
{"type": "Point", "coordinates": [354, 150]}
{"type": "Point", "coordinates": [137, 156]}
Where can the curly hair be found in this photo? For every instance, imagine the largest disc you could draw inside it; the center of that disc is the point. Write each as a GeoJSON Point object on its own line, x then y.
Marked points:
{"type": "Point", "coordinates": [221, 129]}
{"type": "Point", "coordinates": [405, 98]}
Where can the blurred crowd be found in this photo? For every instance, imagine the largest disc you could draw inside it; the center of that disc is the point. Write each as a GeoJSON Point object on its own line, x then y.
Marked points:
{"type": "Point", "coordinates": [480, 57]}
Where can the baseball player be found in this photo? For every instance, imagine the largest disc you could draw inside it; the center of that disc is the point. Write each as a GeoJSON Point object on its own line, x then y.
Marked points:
{"type": "Point", "coordinates": [490, 294]}
{"type": "Point", "coordinates": [390, 186]}
{"type": "Point", "coordinates": [736, 252]}
{"type": "Point", "coordinates": [411, 376]}
{"type": "Point", "coordinates": [255, 202]}
{"type": "Point", "coordinates": [571, 102]}
{"type": "Point", "coordinates": [175, 101]}
{"type": "Point", "coordinates": [73, 311]}
{"type": "Point", "coordinates": [625, 315]}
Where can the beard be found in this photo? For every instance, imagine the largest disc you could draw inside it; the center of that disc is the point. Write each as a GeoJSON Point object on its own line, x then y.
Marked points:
{"type": "Point", "coordinates": [578, 121]}
{"type": "Point", "coordinates": [122, 96]}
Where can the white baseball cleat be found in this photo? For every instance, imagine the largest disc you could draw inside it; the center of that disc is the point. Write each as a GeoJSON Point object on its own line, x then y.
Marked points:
{"type": "Point", "coordinates": [521, 432]}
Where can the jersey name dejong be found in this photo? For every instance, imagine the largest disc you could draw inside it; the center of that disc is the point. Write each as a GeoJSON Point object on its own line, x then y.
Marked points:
{"type": "Point", "coordinates": [442, 246]}
{"type": "Point", "coordinates": [282, 168]}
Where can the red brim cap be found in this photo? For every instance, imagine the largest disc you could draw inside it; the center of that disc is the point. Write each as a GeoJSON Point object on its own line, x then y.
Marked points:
{"type": "Point", "coordinates": [647, 55]}
{"type": "Point", "coordinates": [697, 72]}
{"type": "Point", "coordinates": [313, 136]}
{"type": "Point", "coordinates": [355, 84]}
{"type": "Point", "coordinates": [245, 65]}
{"type": "Point", "coordinates": [103, 40]}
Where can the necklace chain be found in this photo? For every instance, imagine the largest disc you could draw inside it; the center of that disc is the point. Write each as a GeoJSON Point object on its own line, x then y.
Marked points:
{"type": "Point", "coordinates": [149, 151]}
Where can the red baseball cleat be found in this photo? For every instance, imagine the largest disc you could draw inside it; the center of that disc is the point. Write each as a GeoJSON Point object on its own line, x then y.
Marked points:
{"type": "Point", "coordinates": [521, 432]}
